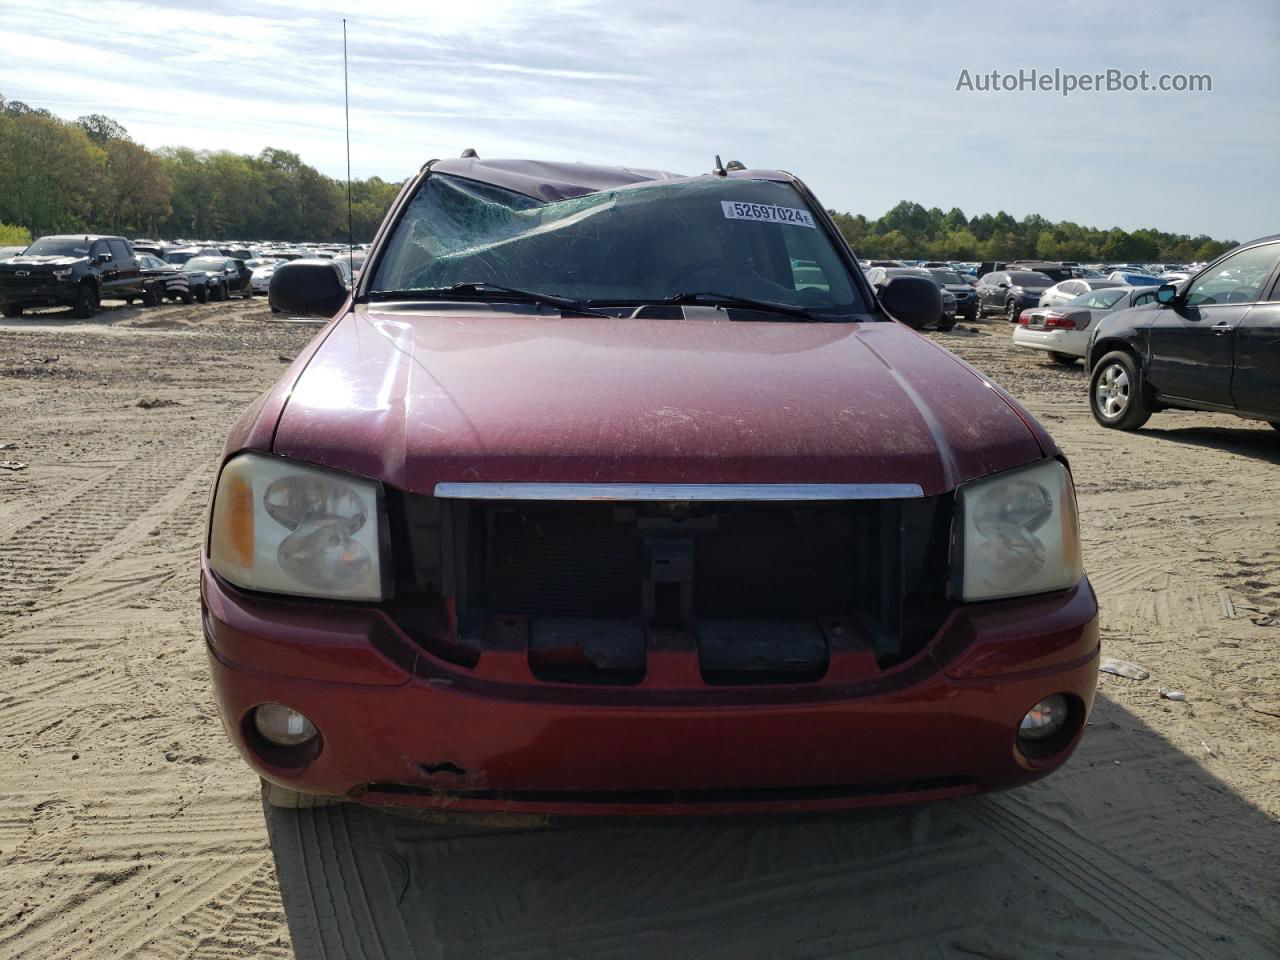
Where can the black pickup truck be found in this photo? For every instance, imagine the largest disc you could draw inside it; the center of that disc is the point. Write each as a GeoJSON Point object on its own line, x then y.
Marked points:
{"type": "Point", "coordinates": [71, 271]}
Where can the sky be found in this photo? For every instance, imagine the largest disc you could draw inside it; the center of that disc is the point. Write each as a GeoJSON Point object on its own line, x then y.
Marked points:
{"type": "Point", "coordinates": [859, 99]}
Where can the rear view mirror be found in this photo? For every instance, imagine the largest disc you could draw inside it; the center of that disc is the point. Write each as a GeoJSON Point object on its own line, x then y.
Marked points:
{"type": "Point", "coordinates": [1167, 293]}
{"type": "Point", "coordinates": [307, 288]}
{"type": "Point", "coordinates": [915, 301]}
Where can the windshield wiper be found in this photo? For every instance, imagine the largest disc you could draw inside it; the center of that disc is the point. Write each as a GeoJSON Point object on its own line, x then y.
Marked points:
{"type": "Point", "coordinates": [712, 298]}
{"type": "Point", "coordinates": [473, 290]}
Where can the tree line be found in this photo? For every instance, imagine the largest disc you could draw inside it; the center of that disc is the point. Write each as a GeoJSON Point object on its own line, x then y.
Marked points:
{"type": "Point", "coordinates": [67, 176]}
{"type": "Point", "coordinates": [88, 174]}
{"type": "Point", "coordinates": [910, 230]}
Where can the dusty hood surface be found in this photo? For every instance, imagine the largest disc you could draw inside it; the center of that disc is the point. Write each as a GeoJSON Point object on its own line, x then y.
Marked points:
{"type": "Point", "coordinates": [417, 399]}
{"type": "Point", "coordinates": [53, 261]}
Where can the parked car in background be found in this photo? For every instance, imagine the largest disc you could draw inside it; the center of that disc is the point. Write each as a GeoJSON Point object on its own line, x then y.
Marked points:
{"type": "Point", "coordinates": [488, 547]}
{"type": "Point", "coordinates": [1063, 330]}
{"type": "Point", "coordinates": [1010, 292]}
{"type": "Point", "coordinates": [1209, 343]}
{"type": "Point", "coordinates": [77, 271]}
{"type": "Point", "coordinates": [886, 263]}
{"type": "Point", "coordinates": [1056, 272]}
{"type": "Point", "coordinates": [224, 277]}
{"type": "Point", "coordinates": [261, 271]}
{"type": "Point", "coordinates": [1070, 289]}
{"type": "Point", "coordinates": [1133, 279]}
{"type": "Point", "coordinates": [964, 299]}
{"type": "Point", "coordinates": [167, 280]}
{"type": "Point", "coordinates": [180, 255]}
{"type": "Point", "coordinates": [879, 277]}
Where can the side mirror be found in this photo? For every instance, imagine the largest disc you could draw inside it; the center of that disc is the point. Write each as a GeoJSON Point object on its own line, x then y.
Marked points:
{"type": "Point", "coordinates": [307, 288]}
{"type": "Point", "coordinates": [1166, 294]}
{"type": "Point", "coordinates": [102, 258]}
{"type": "Point", "coordinates": [915, 301]}
{"type": "Point", "coordinates": [1003, 284]}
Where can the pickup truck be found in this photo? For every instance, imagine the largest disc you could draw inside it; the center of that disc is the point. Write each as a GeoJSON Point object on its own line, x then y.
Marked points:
{"type": "Point", "coordinates": [77, 271]}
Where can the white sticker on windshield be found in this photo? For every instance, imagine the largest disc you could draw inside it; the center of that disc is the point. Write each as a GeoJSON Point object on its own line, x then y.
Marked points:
{"type": "Point", "coordinates": [768, 212]}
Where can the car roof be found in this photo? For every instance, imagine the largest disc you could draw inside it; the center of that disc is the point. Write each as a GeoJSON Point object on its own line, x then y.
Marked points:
{"type": "Point", "coordinates": [82, 236]}
{"type": "Point", "coordinates": [551, 181]}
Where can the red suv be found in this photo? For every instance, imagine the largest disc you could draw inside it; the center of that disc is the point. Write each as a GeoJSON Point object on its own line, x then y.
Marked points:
{"type": "Point", "coordinates": [611, 491]}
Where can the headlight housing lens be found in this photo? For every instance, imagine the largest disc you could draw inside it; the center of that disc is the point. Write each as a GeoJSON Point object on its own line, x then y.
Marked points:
{"type": "Point", "coordinates": [288, 527]}
{"type": "Point", "coordinates": [62, 274]}
{"type": "Point", "coordinates": [1016, 534]}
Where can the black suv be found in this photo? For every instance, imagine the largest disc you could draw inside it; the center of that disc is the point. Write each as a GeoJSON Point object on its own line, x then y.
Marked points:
{"type": "Point", "coordinates": [1009, 291]}
{"type": "Point", "coordinates": [1208, 343]}
{"type": "Point", "coordinates": [70, 271]}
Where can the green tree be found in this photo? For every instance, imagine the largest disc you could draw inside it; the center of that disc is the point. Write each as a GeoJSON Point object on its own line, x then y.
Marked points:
{"type": "Point", "coordinates": [12, 236]}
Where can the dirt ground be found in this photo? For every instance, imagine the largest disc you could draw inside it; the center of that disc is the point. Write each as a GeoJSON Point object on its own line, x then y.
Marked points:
{"type": "Point", "coordinates": [129, 828]}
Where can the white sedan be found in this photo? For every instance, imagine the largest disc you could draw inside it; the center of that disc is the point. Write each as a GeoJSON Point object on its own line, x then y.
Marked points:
{"type": "Point", "coordinates": [1067, 290]}
{"type": "Point", "coordinates": [1063, 331]}
{"type": "Point", "coordinates": [260, 280]}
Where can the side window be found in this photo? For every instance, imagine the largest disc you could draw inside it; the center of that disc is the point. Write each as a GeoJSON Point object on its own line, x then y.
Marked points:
{"type": "Point", "coordinates": [1237, 279]}
{"type": "Point", "coordinates": [1275, 291]}
{"type": "Point", "coordinates": [1073, 287]}
{"type": "Point", "coordinates": [98, 249]}
{"type": "Point", "coordinates": [119, 251]}
{"type": "Point", "coordinates": [1143, 298]}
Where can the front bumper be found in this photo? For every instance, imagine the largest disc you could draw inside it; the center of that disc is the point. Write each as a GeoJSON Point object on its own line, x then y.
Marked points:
{"type": "Point", "coordinates": [40, 293]}
{"type": "Point", "coordinates": [400, 726]}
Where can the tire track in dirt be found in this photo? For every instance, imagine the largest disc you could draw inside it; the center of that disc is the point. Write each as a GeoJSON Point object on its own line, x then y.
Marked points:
{"type": "Point", "coordinates": [116, 780]}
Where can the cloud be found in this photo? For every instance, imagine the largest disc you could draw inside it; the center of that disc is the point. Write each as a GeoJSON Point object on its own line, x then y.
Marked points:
{"type": "Point", "coordinates": [858, 98]}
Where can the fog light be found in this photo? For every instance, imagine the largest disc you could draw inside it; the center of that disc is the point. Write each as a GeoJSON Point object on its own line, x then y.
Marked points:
{"type": "Point", "coordinates": [282, 726]}
{"type": "Point", "coordinates": [1044, 719]}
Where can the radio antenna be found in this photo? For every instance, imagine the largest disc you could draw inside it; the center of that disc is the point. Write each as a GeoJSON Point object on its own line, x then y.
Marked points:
{"type": "Point", "coordinates": [346, 107]}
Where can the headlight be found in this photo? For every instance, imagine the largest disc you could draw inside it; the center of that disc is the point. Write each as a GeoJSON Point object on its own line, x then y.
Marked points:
{"type": "Point", "coordinates": [1016, 534]}
{"type": "Point", "coordinates": [288, 527]}
{"type": "Point", "coordinates": [64, 274]}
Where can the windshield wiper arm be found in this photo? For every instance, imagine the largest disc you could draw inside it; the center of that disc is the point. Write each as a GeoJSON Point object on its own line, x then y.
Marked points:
{"type": "Point", "coordinates": [712, 298]}
{"type": "Point", "coordinates": [473, 289]}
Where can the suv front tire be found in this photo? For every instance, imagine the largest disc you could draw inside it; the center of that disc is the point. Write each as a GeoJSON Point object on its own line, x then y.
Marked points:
{"type": "Point", "coordinates": [1117, 392]}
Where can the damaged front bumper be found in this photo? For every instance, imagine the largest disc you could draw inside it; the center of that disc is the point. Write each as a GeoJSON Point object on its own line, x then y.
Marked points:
{"type": "Point", "coordinates": [400, 726]}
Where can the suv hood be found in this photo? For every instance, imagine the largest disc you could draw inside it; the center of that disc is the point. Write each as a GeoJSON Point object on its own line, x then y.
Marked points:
{"type": "Point", "coordinates": [24, 261]}
{"type": "Point", "coordinates": [414, 399]}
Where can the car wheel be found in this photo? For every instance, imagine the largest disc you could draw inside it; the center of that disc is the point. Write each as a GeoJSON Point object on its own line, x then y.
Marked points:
{"type": "Point", "coordinates": [1011, 311]}
{"type": "Point", "coordinates": [285, 799]}
{"type": "Point", "coordinates": [1117, 394]}
{"type": "Point", "coordinates": [202, 294]}
{"type": "Point", "coordinates": [946, 323]}
{"type": "Point", "coordinates": [86, 302]}
{"type": "Point", "coordinates": [1066, 359]}
{"type": "Point", "coordinates": [11, 310]}
{"type": "Point", "coordinates": [150, 297]}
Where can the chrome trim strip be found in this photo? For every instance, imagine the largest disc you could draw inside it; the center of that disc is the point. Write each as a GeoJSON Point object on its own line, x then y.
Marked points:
{"type": "Point", "coordinates": [682, 492]}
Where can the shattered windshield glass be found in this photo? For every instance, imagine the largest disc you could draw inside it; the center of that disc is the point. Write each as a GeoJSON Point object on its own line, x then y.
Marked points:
{"type": "Point", "coordinates": [752, 239]}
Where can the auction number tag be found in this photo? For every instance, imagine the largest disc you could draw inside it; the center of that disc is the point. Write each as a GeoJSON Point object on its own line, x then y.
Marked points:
{"type": "Point", "coordinates": [768, 212]}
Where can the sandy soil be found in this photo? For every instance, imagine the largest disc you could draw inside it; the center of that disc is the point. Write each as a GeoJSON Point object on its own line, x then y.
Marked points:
{"type": "Point", "coordinates": [129, 828]}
